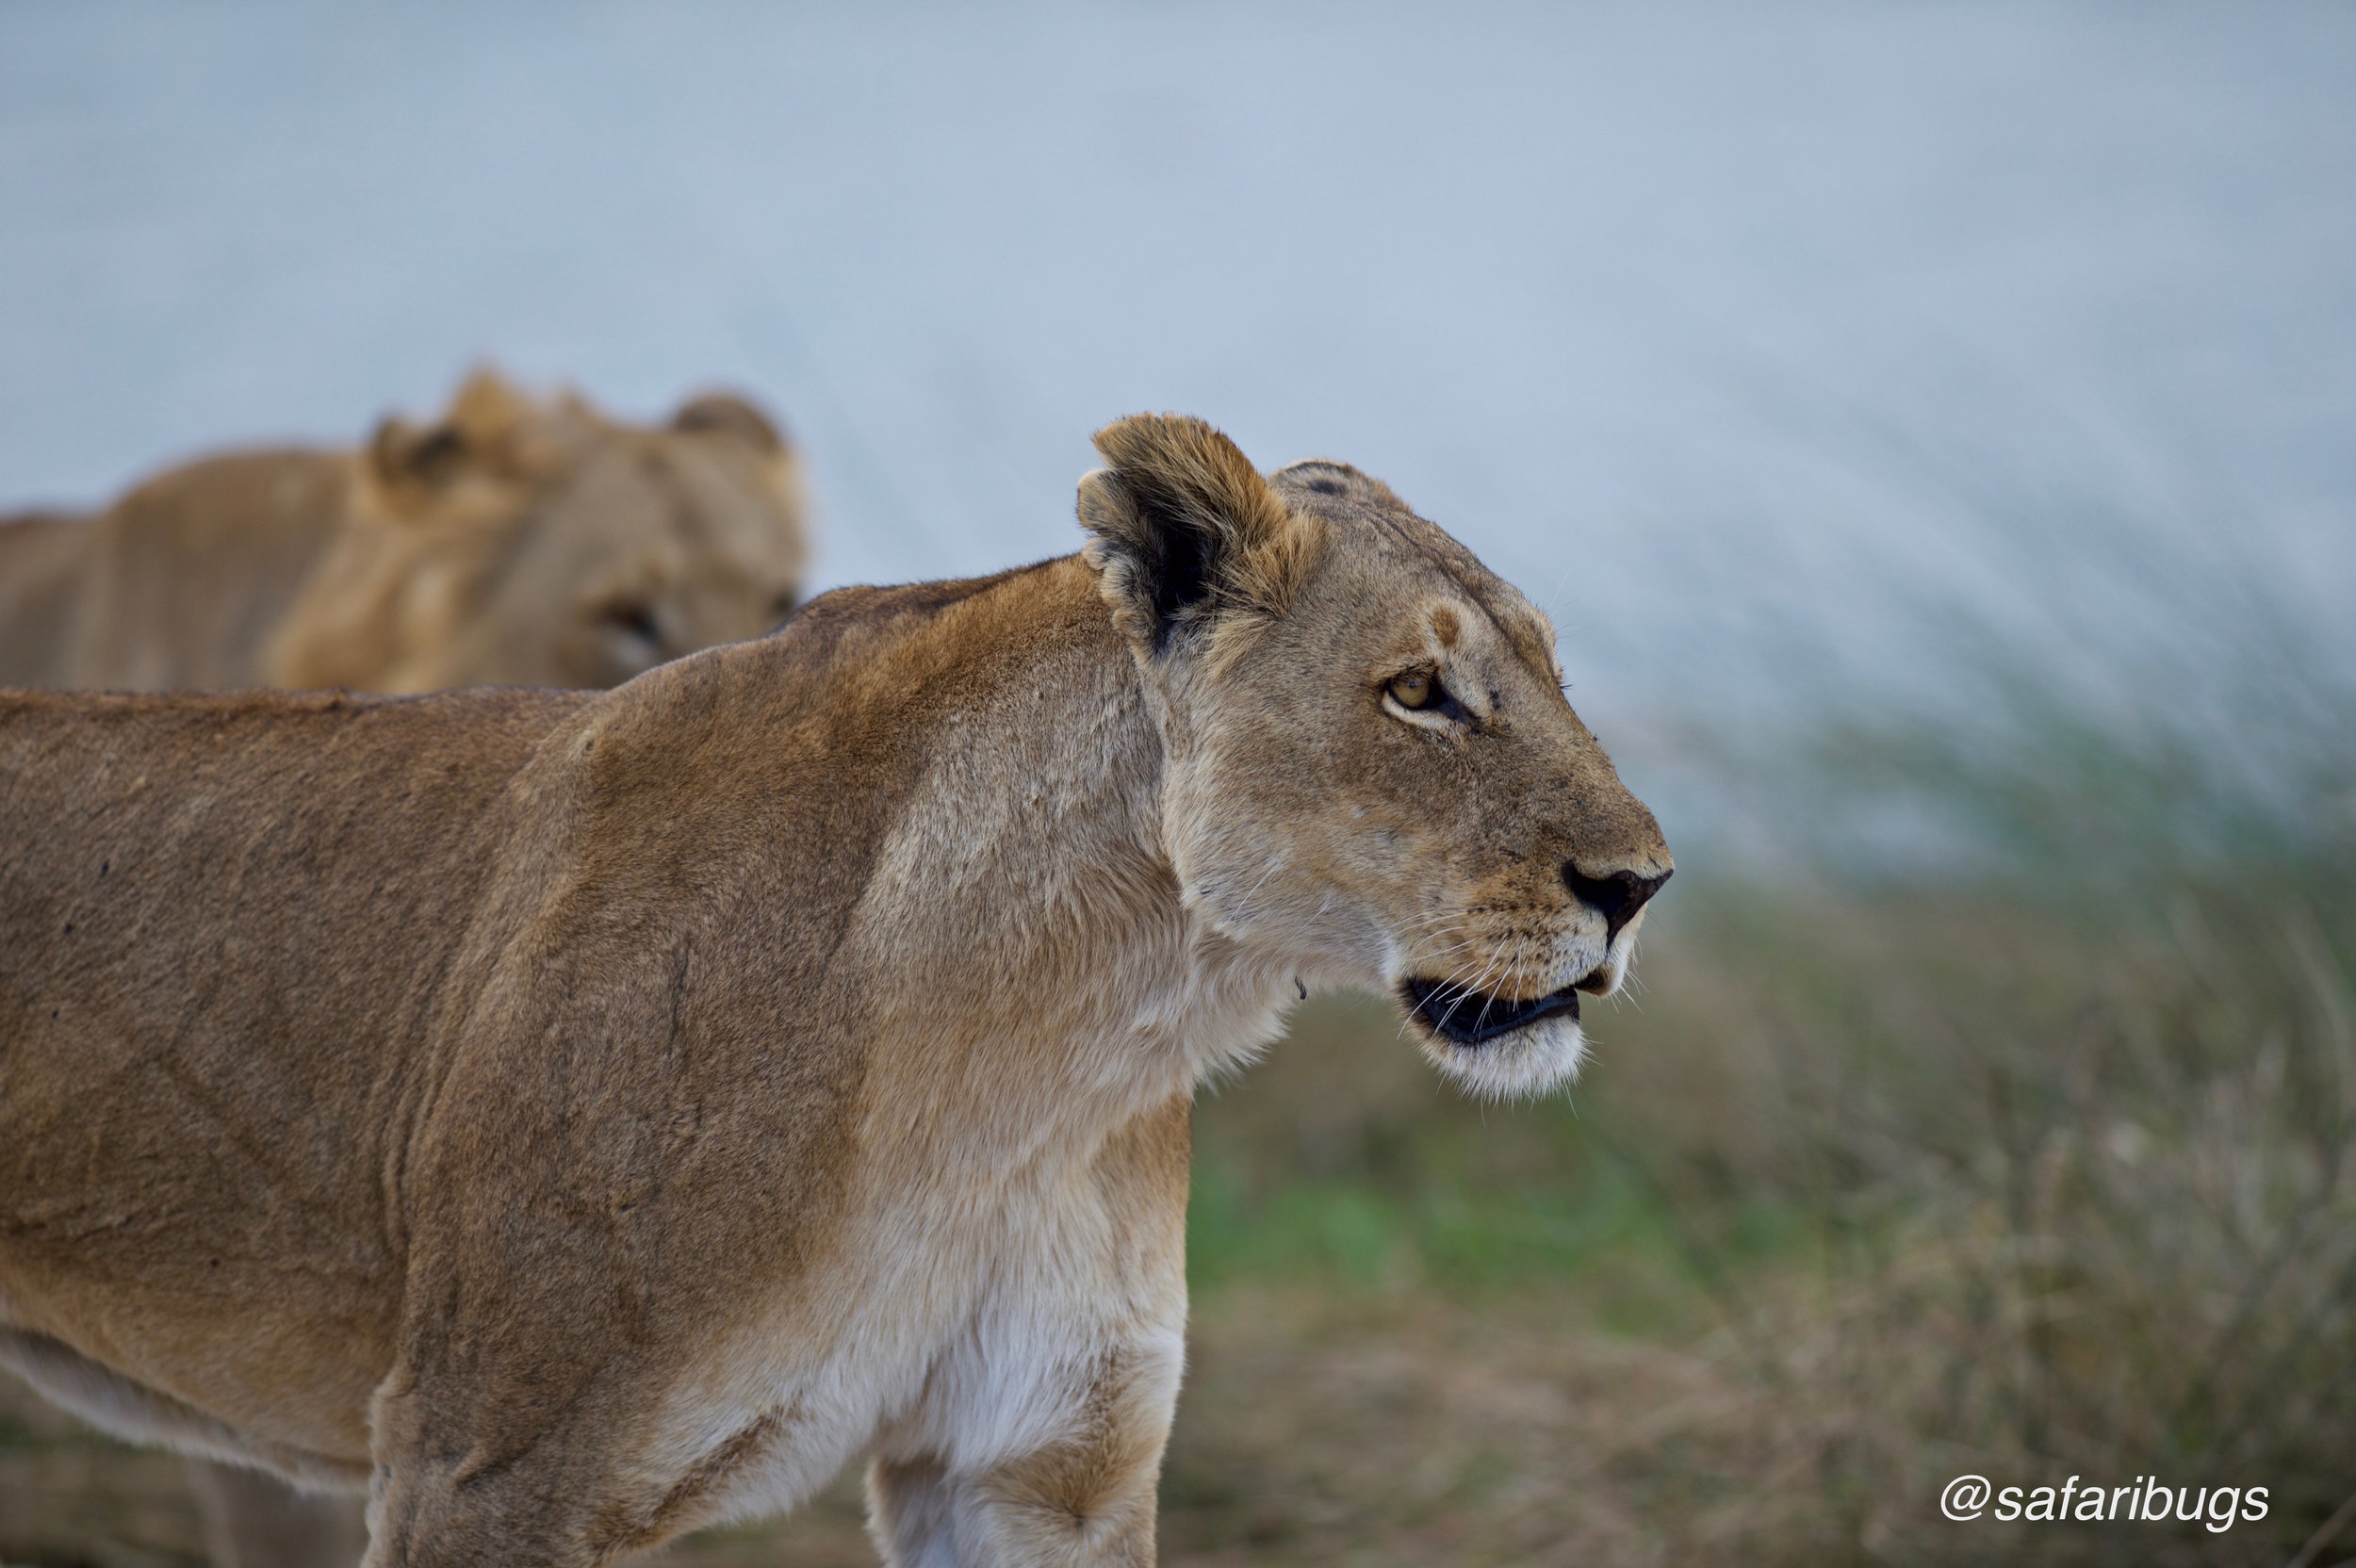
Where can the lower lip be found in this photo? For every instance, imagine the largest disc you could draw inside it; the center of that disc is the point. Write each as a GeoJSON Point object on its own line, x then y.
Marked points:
{"type": "Point", "coordinates": [1471, 1018]}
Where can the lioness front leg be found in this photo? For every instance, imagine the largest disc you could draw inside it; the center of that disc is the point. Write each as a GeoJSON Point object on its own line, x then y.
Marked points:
{"type": "Point", "coordinates": [1084, 1500]}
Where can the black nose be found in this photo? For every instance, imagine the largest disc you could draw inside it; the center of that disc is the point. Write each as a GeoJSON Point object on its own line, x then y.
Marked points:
{"type": "Point", "coordinates": [1616, 897]}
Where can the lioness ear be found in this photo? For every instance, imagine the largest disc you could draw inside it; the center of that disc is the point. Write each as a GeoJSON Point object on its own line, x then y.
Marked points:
{"type": "Point", "coordinates": [1181, 528]}
{"type": "Point", "coordinates": [725, 414]}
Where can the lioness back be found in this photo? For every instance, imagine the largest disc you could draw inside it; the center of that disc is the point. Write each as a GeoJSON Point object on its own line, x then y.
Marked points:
{"type": "Point", "coordinates": [514, 542]}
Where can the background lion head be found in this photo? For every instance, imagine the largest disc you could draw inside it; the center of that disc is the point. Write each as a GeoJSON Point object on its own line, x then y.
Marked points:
{"type": "Point", "coordinates": [521, 542]}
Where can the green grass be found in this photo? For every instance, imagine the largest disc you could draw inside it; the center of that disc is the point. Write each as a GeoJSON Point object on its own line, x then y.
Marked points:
{"type": "Point", "coordinates": [1454, 1213]}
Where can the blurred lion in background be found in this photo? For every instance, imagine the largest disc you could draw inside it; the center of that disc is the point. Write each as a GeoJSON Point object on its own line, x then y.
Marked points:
{"type": "Point", "coordinates": [513, 542]}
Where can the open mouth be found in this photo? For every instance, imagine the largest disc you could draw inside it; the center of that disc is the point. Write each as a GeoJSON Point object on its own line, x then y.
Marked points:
{"type": "Point", "coordinates": [1470, 1018]}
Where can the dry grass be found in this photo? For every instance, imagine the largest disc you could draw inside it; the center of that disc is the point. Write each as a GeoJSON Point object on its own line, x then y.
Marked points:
{"type": "Point", "coordinates": [70, 1497]}
{"type": "Point", "coordinates": [1876, 1189]}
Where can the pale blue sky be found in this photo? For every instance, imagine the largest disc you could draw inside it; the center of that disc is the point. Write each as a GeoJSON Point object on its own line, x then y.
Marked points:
{"type": "Point", "coordinates": [1753, 340]}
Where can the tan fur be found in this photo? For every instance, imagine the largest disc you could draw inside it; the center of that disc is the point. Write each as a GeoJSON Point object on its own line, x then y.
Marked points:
{"type": "Point", "coordinates": [494, 547]}
{"type": "Point", "coordinates": [596, 1115]}
{"type": "Point", "coordinates": [511, 543]}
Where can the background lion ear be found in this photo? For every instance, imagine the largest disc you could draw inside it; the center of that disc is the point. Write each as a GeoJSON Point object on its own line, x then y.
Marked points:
{"type": "Point", "coordinates": [492, 430]}
{"type": "Point", "coordinates": [1183, 526]}
{"type": "Point", "coordinates": [725, 414]}
{"type": "Point", "coordinates": [488, 409]}
{"type": "Point", "coordinates": [403, 457]}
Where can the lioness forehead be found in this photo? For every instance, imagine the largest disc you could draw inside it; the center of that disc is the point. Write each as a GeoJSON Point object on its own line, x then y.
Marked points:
{"type": "Point", "coordinates": [1362, 510]}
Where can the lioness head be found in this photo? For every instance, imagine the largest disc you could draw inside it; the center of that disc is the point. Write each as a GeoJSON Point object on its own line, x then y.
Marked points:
{"type": "Point", "coordinates": [517, 541]}
{"type": "Point", "coordinates": [1373, 774]}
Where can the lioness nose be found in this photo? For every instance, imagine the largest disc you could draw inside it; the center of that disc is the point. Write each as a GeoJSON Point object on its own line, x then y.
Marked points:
{"type": "Point", "coordinates": [1616, 896]}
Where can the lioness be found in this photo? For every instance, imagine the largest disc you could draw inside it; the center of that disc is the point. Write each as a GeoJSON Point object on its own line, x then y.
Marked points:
{"type": "Point", "coordinates": [512, 542]}
{"type": "Point", "coordinates": [581, 1117]}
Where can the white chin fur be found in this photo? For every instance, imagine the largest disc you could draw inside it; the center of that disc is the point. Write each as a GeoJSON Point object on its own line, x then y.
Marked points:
{"type": "Point", "coordinates": [1532, 1061]}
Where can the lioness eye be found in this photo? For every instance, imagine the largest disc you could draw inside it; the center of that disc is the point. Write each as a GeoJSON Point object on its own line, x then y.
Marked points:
{"type": "Point", "coordinates": [1413, 691]}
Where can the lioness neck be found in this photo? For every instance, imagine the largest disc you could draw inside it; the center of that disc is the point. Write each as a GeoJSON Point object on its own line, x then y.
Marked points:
{"type": "Point", "coordinates": [1024, 896]}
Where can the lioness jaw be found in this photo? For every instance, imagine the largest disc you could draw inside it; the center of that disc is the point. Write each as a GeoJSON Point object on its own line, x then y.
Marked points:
{"type": "Point", "coordinates": [597, 1115]}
